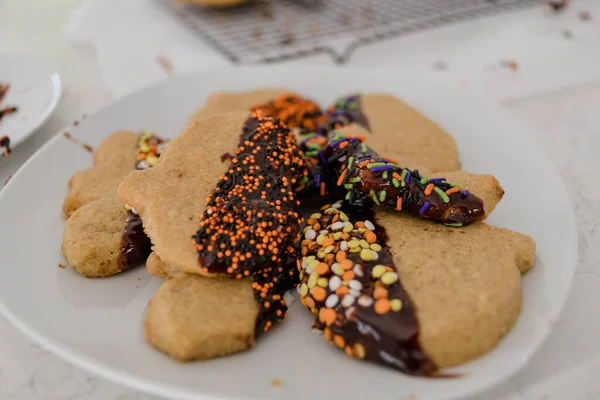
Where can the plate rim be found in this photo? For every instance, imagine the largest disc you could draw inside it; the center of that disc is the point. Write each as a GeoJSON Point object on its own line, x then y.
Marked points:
{"type": "Point", "coordinates": [126, 378]}
{"type": "Point", "coordinates": [56, 96]}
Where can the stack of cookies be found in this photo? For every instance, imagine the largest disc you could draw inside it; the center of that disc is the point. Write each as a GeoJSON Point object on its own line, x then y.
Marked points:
{"type": "Point", "coordinates": [360, 207]}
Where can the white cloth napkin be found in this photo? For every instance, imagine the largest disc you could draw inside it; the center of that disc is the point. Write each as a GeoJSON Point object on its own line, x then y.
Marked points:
{"type": "Point", "coordinates": [139, 42]}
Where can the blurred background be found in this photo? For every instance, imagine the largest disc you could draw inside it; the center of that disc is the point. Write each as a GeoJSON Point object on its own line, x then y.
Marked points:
{"type": "Point", "coordinates": [539, 58]}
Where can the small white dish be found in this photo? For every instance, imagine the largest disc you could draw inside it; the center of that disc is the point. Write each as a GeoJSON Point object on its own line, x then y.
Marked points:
{"type": "Point", "coordinates": [34, 90]}
{"type": "Point", "coordinates": [97, 324]}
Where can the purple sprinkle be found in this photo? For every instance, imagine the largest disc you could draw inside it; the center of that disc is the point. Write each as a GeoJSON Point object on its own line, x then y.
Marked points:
{"type": "Point", "coordinates": [337, 142]}
{"type": "Point", "coordinates": [320, 130]}
{"type": "Point", "coordinates": [424, 208]}
{"type": "Point", "coordinates": [318, 183]}
{"type": "Point", "coordinates": [353, 140]}
{"type": "Point", "coordinates": [382, 168]}
{"type": "Point", "coordinates": [465, 192]}
{"type": "Point", "coordinates": [364, 158]}
{"type": "Point", "coordinates": [322, 158]}
{"type": "Point", "coordinates": [407, 179]}
{"type": "Point", "coordinates": [433, 180]}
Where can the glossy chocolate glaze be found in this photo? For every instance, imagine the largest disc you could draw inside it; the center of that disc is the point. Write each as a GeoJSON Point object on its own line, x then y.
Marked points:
{"type": "Point", "coordinates": [136, 246]}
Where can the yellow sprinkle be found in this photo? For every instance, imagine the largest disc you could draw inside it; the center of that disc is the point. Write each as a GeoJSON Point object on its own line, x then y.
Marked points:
{"type": "Point", "coordinates": [127, 207]}
{"type": "Point", "coordinates": [320, 239]}
{"type": "Point", "coordinates": [328, 249]}
{"type": "Point", "coordinates": [366, 254]}
{"type": "Point", "coordinates": [343, 217]}
{"type": "Point", "coordinates": [348, 228]}
{"type": "Point", "coordinates": [353, 243]}
{"type": "Point", "coordinates": [152, 160]}
{"type": "Point", "coordinates": [309, 259]}
{"type": "Point", "coordinates": [364, 244]}
{"type": "Point", "coordinates": [316, 216]}
{"type": "Point", "coordinates": [321, 254]}
{"type": "Point", "coordinates": [312, 280]}
{"type": "Point", "coordinates": [301, 274]}
{"type": "Point", "coordinates": [338, 270]}
{"type": "Point", "coordinates": [355, 250]}
{"type": "Point", "coordinates": [337, 235]}
{"type": "Point", "coordinates": [396, 305]}
{"type": "Point", "coordinates": [375, 247]}
{"type": "Point", "coordinates": [378, 270]}
{"type": "Point", "coordinates": [323, 282]}
{"type": "Point", "coordinates": [144, 148]}
{"type": "Point", "coordinates": [389, 277]}
{"type": "Point", "coordinates": [359, 350]}
{"type": "Point", "coordinates": [361, 230]}
{"type": "Point", "coordinates": [307, 228]}
{"type": "Point", "coordinates": [303, 290]}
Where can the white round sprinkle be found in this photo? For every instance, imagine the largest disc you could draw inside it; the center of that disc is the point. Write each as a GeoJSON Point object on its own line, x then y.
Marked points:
{"type": "Point", "coordinates": [323, 232]}
{"type": "Point", "coordinates": [133, 210]}
{"type": "Point", "coordinates": [354, 292]}
{"type": "Point", "coordinates": [289, 298]}
{"type": "Point", "coordinates": [162, 147]}
{"type": "Point", "coordinates": [337, 205]}
{"type": "Point", "coordinates": [369, 225]}
{"type": "Point", "coordinates": [337, 226]}
{"type": "Point", "coordinates": [334, 283]}
{"type": "Point", "coordinates": [358, 270]}
{"type": "Point", "coordinates": [348, 300]}
{"type": "Point", "coordinates": [332, 301]}
{"type": "Point", "coordinates": [365, 301]}
{"type": "Point", "coordinates": [344, 245]}
{"type": "Point", "coordinates": [375, 256]}
{"type": "Point", "coordinates": [310, 235]}
{"type": "Point", "coordinates": [308, 270]}
{"type": "Point", "coordinates": [317, 331]}
{"type": "Point", "coordinates": [354, 284]}
{"type": "Point", "coordinates": [347, 223]}
{"type": "Point", "coordinates": [143, 164]}
{"type": "Point", "coordinates": [209, 211]}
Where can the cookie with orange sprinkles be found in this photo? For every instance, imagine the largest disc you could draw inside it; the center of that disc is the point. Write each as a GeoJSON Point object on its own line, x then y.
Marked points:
{"type": "Point", "coordinates": [102, 236]}
{"type": "Point", "coordinates": [246, 210]}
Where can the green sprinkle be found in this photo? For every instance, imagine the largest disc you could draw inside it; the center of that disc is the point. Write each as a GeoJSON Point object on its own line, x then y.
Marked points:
{"type": "Point", "coordinates": [363, 147]}
{"type": "Point", "coordinates": [393, 165]}
{"type": "Point", "coordinates": [403, 175]}
{"type": "Point", "coordinates": [303, 180]}
{"type": "Point", "coordinates": [314, 146]}
{"type": "Point", "coordinates": [311, 153]}
{"type": "Point", "coordinates": [385, 174]}
{"type": "Point", "coordinates": [353, 106]}
{"type": "Point", "coordinates": [350, 161]}
{"type": "Point", "coordinates": [348, 186]}
{"type": "Point", "coordinates": [374, 197]}
{"type": "Point", "coordinates": [339, 136]}
{"type": "Point", "coordinates": [310, 135]}
{"type": "Point", "coordinates": [443, 195]}
{"type": "Point", "coordinates": [424, 180]}
{"type": "Point", "coordinates": [348, 195]}
{"type": "Point", "coordinates": [454, 225]}
{"type": "Point", "coordinates": [452, 184]}
{"type": "Point", "coordinates": [382, 195]}
{"type": "Point", "coordinates": [356, 179]}
{"type": "Point", "coordinates": [395, 182]}
{"type": "Point", "coordinates": [375, 164]}
{"type": "Point", "coordinates": [402, 183]}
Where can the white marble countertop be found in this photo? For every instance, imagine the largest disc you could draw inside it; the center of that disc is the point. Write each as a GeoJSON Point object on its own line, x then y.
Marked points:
{"type": "Point", "coordinates": [566, 122]}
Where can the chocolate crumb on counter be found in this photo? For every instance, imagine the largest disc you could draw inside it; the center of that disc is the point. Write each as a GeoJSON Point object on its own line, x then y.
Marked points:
{"type": "Point", "coordinates": [276, 382]}
{"type": "Point", "coordinates": [557, 5]}
{"type": "Point", "coordinates": [511, 64]}
{"type": "Point", "coordinates": [5, 145]}
{"type": "Point", "coordinates": [61, 266]}
{"type": "Point", "coordinates": [584, 15]}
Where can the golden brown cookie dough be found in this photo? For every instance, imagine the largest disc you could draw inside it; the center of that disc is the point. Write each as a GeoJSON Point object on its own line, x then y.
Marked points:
{"type": "Point", "coordinates": [222, 102]}
{"type": "Point", "coordinates": [187, 173]}
{"type": "Point", "coordinates": [93, 236]}
{"type": "Point", "coordinates": [465, 282]}
{"type": "Point", "coordinates": [195, 317]}
{"type": "Point", "coordinates": [114, 159]}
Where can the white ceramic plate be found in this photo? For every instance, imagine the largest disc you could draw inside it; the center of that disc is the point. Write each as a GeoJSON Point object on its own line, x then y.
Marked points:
{"type": "Point", "coordinates": [96, 324]}
{"type": "Point", "coordinates": [34, 89]}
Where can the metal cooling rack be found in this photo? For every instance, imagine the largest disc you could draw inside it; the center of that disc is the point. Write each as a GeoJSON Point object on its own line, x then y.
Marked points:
{"type": "Point", "coordinates": [275, 30]}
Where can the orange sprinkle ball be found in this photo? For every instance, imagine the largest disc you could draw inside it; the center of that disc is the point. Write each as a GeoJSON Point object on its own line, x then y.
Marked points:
{"type": "Point", "coordinates": [251, 222]}
{"type": "Point", "coordinates": [294, 111]}
{"type": "Point", "coordinates": [341, 277]}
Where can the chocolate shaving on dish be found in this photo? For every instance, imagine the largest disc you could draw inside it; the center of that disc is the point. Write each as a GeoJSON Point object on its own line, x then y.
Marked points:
{"type": "Point", "coordinates": [348, 281]}
{"type": "Point", "coordinates": [8, 110]}
{"type": "Point", "coordinates": [135, 245]}
{"type": "Point", "coordinates": [5, 143]}
{"type": "Point", "coordinates": [251, 224]}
